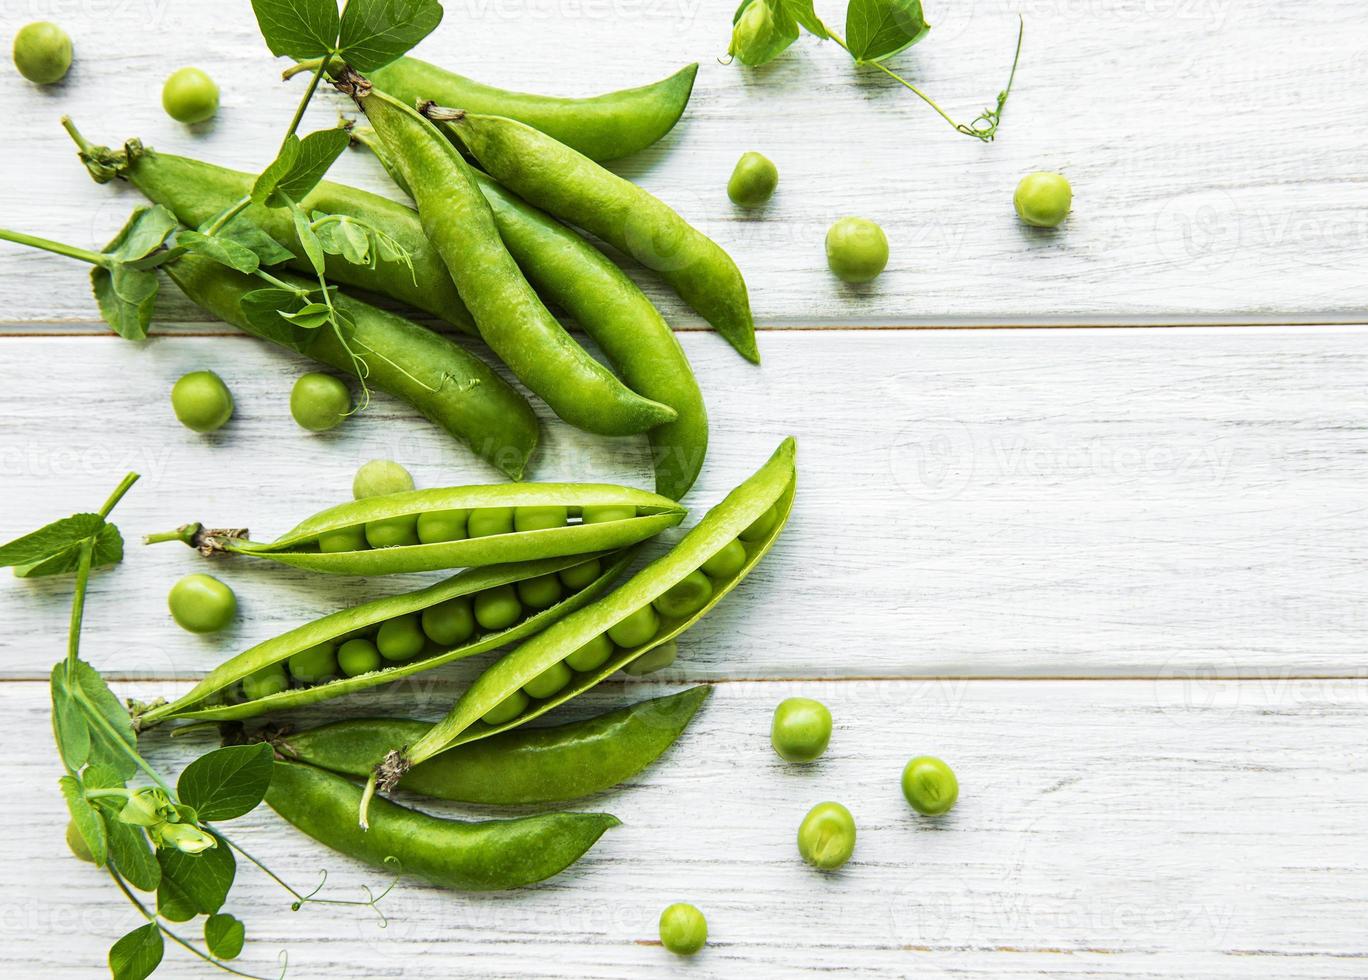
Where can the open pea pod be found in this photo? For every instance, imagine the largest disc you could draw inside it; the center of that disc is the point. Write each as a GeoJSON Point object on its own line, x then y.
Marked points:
{"type": "Point", "coordinates": [473, 612]}
{"type": "Point", "coordinates": [714, 556]}
{"type": "Point", "coordinates": [453, 527]}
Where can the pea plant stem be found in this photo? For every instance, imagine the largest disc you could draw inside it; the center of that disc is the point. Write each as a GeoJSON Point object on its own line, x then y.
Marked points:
{"type": "Point", "coordinates": [47, 245]}
{"type": "Point", "coordinates": [304, 103]}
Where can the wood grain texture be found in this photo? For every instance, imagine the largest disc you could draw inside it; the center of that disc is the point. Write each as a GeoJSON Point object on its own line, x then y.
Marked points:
{"type": "Point", "coordinates": [1212, 181]}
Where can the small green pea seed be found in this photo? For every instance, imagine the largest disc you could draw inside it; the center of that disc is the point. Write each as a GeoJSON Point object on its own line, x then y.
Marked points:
{"type": "Point", "coordinates": [929, 785]}
{"type": "Point", "coordinates": [826, 837]}
{"type": "Point", "coordinates": [485, 521]}
{"type": "Point", "coordinates": [539, 518]}
{"type": "Point", "coordinates": [683, 929]}
{"type": "Point", "coordinates": [685, 597]}
{"type": "Point", "coordinates": [636, 628]}
{"type": "Point", "coordinates": [1043, 199]}
{"type": "Point", "coordinates": [497, 608]}
{"type": "Point", "coordinates": [358, 656]}
{"type": "Point", "coordinates": [579, 576]}
{"type": "Point", "coordinates": [379, 478]}
{"type": "Point", "coordinates": [592, 655]}
{"type": "Point", "coordinates": [603, 513]}
{"type": "Point", "coordinates": [507, 709]}
{"type": "Point", "coordinates": [753, 181]}
{"type": "Point", "coordinates": [541, 592]}
{"type": "Point", "coordinates": [318, 663]}
{"type": "Point", "coordinates": [190, 96]}
{"type": "Point", "coordinates": [269, 680]}
{"type": "Point", "coordinates": [392, 532]}
{"type": "Point", "coordinates": [202, 401]}
{"type": "Point", "coordinates": [449, 623]}
{"type": "Point", "coordinates": [548, 682]}
{"type": "Point", "coordinates": [801, 729]}
{"type": "Point", "coordinates": [727, 562]}
{"type": "Point", "coordinates": [857, 249]}
{"type": "Point", "coordinates": [343, 539]}
{"type": "Point", "coordinates": [42, 52]}
{"type": "Point", "coordinates": [400, 638]}
{"type": "Point", "coordinates": [442, 525]}
{"type": "Point", "coordinates": [658, 658]}
{"type": "Point", "coordinates": [319, 402]}
{"type": "Point", "coordinates": [201, 603]}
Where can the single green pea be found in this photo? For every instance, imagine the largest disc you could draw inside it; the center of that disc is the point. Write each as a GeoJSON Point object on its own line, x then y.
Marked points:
{"type": "Point", "coordinates": [42, 52]}
{"type": "Point", "coordinates": [190, 96]}
{"type": "Point", "coordinates": [683, 929]}
{"type": "Point", "coordinates": [400, 638]}
{"type": "Point", "coordinates": [202, 401]}
{"type": "Point", "coordinates": [592, 655]}
{"type": "Point", "coordinates": [930, 785]}
{"type": "Point", "coordinates": [485, 521]}
{"type": "Point", "coordinates": [686, 597]}
{"type": "Point", "coordinates": [826, 837]}
{"type": "Point", "coordinates": [442, 525]}
{"type": "Point", "coordinates": [507, 709]}
{"type": "Point", "coordinates": [762, 525]}
{"type": "Point", "coordinates": [636, 628]}
{"type": "Point", "coordinates": [319, 402]}
{"type": "Point", "coordinates": [727, 562]}
{"type": "Point", "coordinates": [315, 664]}
{"type": "Point", "coordinates": [344, 539]}
{"type": "Point", "coordinates": [497, 608]}
{"type": "Point", "coordinates": [392, 532]}
{"type": "Point", "coordinates": [857, 249]}
{"type": "Point", "coordinates": [655, 659]}
{"type": "Point", "coordinates": [201, 604]}
{"type": "Point", "coordinates": [77, 843]}
{"type": "Point", "coordinates": [603, 513]}
{"type": "Point", "coordinates": [379, 478]}
{"type": "Point", "coordinates": [358, 656]}
{"type": "Point", "coordinates": [1043, 199]}
{"type": "Point", "coordinates": [801, 729]}
{"type": "Point", "coordinates": [539, 518]}
{"type": "Point", "coordinates": [449, 623]}
{"type": "Point", "coordinates": [753, 181]}
{"type": "Point", "coordinates": [578, 576]}
{"type": "Point", "coordinates": [269, 680]}
{"type": "Point", "coordinates": [541, 592]}
{"type": "Point", "coordinates": [548, 682]}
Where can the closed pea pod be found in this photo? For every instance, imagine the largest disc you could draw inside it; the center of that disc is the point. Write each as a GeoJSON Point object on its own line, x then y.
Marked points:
{"type": "Point", "coordinates": [371, 648]}
{"type": "Point", "coordinates": [306, 545]}
{"type": "Point", "coordinates": [484, 856]}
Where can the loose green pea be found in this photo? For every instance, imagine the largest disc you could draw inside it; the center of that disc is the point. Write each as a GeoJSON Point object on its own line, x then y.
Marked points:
{"type": "Point", "coordinates": [548, 682]}
{"type": "Point", "coordinates": [358, 656]}
{"type": "Point", "coordinates": [539, 518]}
{"type": "Point", "coordinates": [201, 604]}
{"type": "Point", "coordinates": [379, 478]}
{"type": "Point", "coordinates": [683, 929]}
{"type": "Point", "coordinates": [930, 785]}
{"type": "Point", "coordinates": [319, 402]}
{"type": "Point", "coordinates": [727, 562]}
{"type": "Point", "coordinates": [314, 664]}
{"type": "Point", "coordinates": [762, 526]}
{"type": "Point", "coordinates": [604, 513]}
{"type": "Point", "coordinates": [592, 655]}
{"type": "Point", "coordinates": [442, 525]}
{"type": "Point", "coordinates": [801, 729]}
{"type": "Point", "coordinates": [826, 837]}
{"type": "Point", "coordinates": [507, 709]}
{"type": "Point", "coordinates": [42, 52]}
{"type": "Point", "coordinates": [268, 680]}
{"type": "Point", "coordinates": [400, 638]}
{"type": "Point", "coordinates": [655, 659]}
{"type": "Point", "coordinates": [686, 597]}
{"type": "Point", "coordinates": [636, 628]}
{"type": "Point", "coordinates": [392, 532]}
{"type": "Point", "coordinates": [857, 249]}
{"type": "Point", "coordinates": [497, 608]}
{"type": "Point", "coordinates": [449, 623]}
{"type": "Point", "coordinates": [541, 592]}
{"type": "Point", "coordinates": [190, 96]}
{"type": "Point", "coordinates": [753, 181]}
{"type": "Point", "coordinates": [1043, 199]}
{"type": "Point", "coordinates": [202, 401]}
{"type": "Point", "coordinates": [578, 576]}
{"type": "Point", "coordinates": [485, 521]}
{"type": "Point", "coordinates": [343, 539]}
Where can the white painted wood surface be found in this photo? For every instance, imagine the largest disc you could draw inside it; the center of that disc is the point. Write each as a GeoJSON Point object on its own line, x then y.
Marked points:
{"type": "Point", "coordinates": [1114, 576]}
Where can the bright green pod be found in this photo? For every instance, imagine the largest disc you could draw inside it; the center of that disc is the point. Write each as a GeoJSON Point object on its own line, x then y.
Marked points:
{"type": "Point", "coordinates": [771, 487]}
{"type": "Point", "coordinates": [525, 765]}
{"type": "Point", "coordinates": [300, 546]}
{"type": "Point", "coordinates": [208, 700]}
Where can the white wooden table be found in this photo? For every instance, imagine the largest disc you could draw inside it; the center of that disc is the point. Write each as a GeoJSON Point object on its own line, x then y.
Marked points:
{"type": "Point", "coordinates": [1115, 576]}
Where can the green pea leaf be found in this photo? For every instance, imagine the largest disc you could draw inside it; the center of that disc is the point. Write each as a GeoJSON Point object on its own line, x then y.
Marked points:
{"type": "Point", "coordinates": [242, 230]}
{"type": "Point", "coordinates": [53, 539]}
{"type": "Point", "coordinates": [139, 243]}
{"type": "Point", "coordinates": [313, 248]}
{"type": "Point", "coordinates": [90, 823]}
{"type": "Point", "coordinates": [224, 934]}
{"type": "Point", "coordinates": [263, 309]}
{"type": "Point", "coordinates": [138, 954]}
{"type": "Point", "coordinates": [112, 742]}
{"type": "Point", "coordinates": [376, 32]}
{"type": "Point", "coordinates": [299, 29]}
{"type": "Point", "coordinates": [194, 883]}
{"type": "Point", "coordinates": [132, 855]}
{"type": "Point", "coordinates": [224, 251]}
{"type": "Point", "coordinates": [311, 317]}
{"type": "Point", "coordinates": [803, 12]}
{"type": "Point", "coordinates": [317, 152]}
{"type": "Point", "coordinates": [228, 782]}
{"type": "Point", "coordinates": [126, 297]}
{"type": "Point", "coordinates": [344, 236]}
{"type": "Point", "coordinates": [108, 551]}
{"type": "Point", "coordinates": [69, 726]}
{"type": "Point", "coordinates": [879, 29]}
{"type": "Point", "coordinates": [267, 182]}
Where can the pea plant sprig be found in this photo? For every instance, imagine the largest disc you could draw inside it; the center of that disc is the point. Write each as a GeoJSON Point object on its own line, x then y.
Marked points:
{"type": "Point", "coordinates": [876, 30]}
{"type": "Point", "coordinates": [151, 837]}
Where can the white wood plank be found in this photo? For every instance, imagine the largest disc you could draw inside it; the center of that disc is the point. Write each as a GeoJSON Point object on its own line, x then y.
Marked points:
{"type": "Point", "coordinates": [1104, 829]}
{"type": "Point", "coordinates": [1211, 180]}
{"type": "Point", "coordinates": [1106, 502]}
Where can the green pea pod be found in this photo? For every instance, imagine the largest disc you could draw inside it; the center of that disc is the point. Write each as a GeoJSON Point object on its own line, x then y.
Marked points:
{"type": "Point", "coordinates": [196, 192]}
{"type": "Point", "coordinates": [443, 380]}
{"type": "Point", "coordinates": [486, 856]}
{"type": "Point", "coordinates": [525, 765]}
{"type": "Point", "coordinates": [602, 128]}
{"type": "Point", "coordinates": [508, 313]}
{"type": "Point", "coordinates": [763, 501]}
{"type": "Point", "coordinates": [574, 188]}
{"type": "Point", "coordinates": [210, 699]}
{"type": "Point", "coordinates": [574, 275]}
{"type": "Point", "coordinates": [300, 546]}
